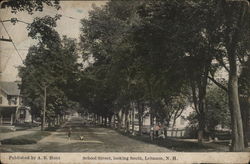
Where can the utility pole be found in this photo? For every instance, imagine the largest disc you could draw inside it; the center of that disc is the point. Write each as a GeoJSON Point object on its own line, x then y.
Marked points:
{"type": "Point", "coordinates": [44, 108]}
{"type": "Point", "coordinates": [5, 40]}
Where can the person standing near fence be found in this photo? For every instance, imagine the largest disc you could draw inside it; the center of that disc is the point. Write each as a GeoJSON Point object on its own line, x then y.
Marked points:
{"type": "Point", "coordinates": [69, 133]}
{"type": "Point", "coordinates": [157, 129]}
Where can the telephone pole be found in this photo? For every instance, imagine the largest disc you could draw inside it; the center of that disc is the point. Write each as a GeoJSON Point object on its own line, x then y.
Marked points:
{"type": "Point", "coordinates": [44, 108]}
{"type": "Point", "coordinates": [5, 40]}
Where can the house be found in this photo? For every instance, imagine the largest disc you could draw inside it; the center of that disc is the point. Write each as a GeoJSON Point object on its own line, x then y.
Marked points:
{"type": "Point", "coordinates": [11, 108]}
{"type": "Point", "coordinates": [176, 130]}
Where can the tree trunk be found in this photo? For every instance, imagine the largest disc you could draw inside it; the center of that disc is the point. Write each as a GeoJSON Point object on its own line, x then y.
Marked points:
{"type": "Point", "coordinates": [119, 122]}
{"type": "Point", "coordinates": [54, 121]}
{"type": "Point", "coordinates": [133, 118]}
{"type": "Point", "coordinates": [114, 123]}
{"type": "Point", "coordinates": [32, 118]}
{"type": "Point", "coordinates": [199, 104]}
{"type": "Point", "coordinates": [44, 109]}
{"type": "Point", "coordinates": [165, 132]}
{"type": "Point", "coordinates": [140, 113]}
{"type": "Point", "coordinates": [174, 121]}
{"type": "Point", "coordinates": [140, 124]}
{"type": "Point", "coordinates": [234, 106]}
{"type": "Point", "coordinates": [105, 121]}
{"type": "Point", "coordinates": [244, 107]}
{"type": "Point", "coordinates": [201, 127]}
{"type": "Point", "coordinates": [127, 122]}
{"type": "Point", "coordinates": [49, 123]}
{"type": "Point", "coordinates": [58, 119]}
{"type": "Point", "coordinates": [152, 135]}
{"type": "Point", "coordinates": [122, 120]}
{"type": "Point", "coordinates": [236, 19]}
{"type": "Point", "coordinates": [110, 120]}
{"type": "Point", "coordinates": [202, 114]}
{"type": "Point", "coordinates": [101, 118]}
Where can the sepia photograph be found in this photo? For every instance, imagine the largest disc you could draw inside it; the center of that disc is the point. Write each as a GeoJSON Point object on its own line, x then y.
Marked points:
{"type": "Point", "coordinates": [124, 81]}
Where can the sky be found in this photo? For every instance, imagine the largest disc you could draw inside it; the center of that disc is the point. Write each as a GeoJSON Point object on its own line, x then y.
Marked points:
{"type": "Point", "coordinates": [69, 24]}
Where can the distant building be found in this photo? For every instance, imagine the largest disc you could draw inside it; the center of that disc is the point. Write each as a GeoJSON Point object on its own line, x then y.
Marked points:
{"type": "Point", "coordinates": [11, 108]}
{"type": "Point", "coordinates": [178, 130]}
{"type": "Point", "coordinates": [182, 122]}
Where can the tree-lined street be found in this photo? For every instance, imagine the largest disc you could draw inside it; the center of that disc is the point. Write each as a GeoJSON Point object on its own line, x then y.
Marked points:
{"type": "Point", "coordinates": [96, 139]}
{"type": "Point", "coordinates": [135, 69]}
{"type": "Point", "coordinates": [99, 139]}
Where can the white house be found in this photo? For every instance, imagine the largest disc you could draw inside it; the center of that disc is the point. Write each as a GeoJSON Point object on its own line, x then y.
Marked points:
{"type": "Point", "coordinates": [178, 130]}
{"type": "Point", "coordinates": [11, 109]}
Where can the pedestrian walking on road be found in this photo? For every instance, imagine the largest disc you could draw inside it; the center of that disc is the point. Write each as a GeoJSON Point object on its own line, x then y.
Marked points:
{"type": "Point", "coordinates": [151, 133]}
{"type": "Point", "coordinates": [69, 133]}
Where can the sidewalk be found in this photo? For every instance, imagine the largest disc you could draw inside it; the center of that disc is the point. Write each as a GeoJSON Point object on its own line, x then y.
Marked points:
{"type": "Point", "coordinates": [213, 145]}
{"type": "Point", "coordinates": [18, 133]}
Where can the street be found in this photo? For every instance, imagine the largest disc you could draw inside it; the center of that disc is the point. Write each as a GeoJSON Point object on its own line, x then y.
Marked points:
{"type": "Point", "coordinates": [95, 139]}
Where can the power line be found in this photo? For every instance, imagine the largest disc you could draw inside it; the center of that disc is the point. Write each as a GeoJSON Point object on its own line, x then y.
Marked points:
{"type": "Point", "coordinates": [36, 80]}
{"type": "Point", "coordinates": [20, 49]}
{"type": "Point", "coordinates": [12, 41]}
{"type": "Point", "coordinates": [70, 17]}
{"type": "Point", "coordinates": [15, 20]}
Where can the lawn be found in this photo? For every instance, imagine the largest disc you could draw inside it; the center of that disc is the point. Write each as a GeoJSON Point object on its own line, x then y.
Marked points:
{"type": "Point", "coordinates": [52, 129]}
{"type": "Point", "coordinates": [26, 139]}
{"type": "Point", "coordinates": [173, 144]}
{"type": "Point", "coordinates": [6, 129]}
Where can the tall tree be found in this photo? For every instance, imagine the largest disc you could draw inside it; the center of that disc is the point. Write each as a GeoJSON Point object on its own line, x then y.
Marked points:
{"type": "Point", "coordinates": [48, 69]}
{"type": "Point", "coordinates": [30, 6]}
{"type": "Point", "coordinates": [234, 17]}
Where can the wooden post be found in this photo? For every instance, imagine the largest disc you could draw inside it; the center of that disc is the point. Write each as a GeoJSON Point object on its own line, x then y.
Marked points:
{"type": "Point", "coordinates": [165, 132]}
{"type": "Point", "coordinates": [11, 119]}
{"type": "Point", "coordinates": [44, 108]}
{"type": "Point", "coordinates": [133, 119]}
{"type": "Point", "coordinates": [1, 119]}
{"type": "Point", "coordinates": [114, 121]}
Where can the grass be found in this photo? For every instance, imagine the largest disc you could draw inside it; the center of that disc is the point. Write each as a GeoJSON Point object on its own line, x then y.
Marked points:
{"type": "Point", "coordinates": [225, 142]}
{"type": "Point", "coordinates": [54, 128]}
{"type": "Point", "coordinates": [171, 143]}
{"type": "Point", "coordinates": [21, 128]}
{"type": "Point", "coordinates": [26, 139]}
{"type": "Point", "coordinates": [5, 130]}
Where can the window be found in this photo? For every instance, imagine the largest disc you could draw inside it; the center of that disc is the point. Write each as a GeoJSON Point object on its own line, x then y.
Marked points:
{"type": "Point", "coordinates": [22, 113]}
{"type": "Point", "coordinates": [15, 100]}
{"type": "Point", "coordinates": [9, 99]}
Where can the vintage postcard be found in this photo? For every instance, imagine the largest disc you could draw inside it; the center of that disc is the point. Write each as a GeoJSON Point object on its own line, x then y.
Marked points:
{"type": "Point", "coordinates": [157, 81]}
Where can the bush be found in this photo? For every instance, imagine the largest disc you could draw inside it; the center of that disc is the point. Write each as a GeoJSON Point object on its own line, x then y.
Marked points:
{"type": "Point", "coordinates": [27, 124]}
{"type": "Point", "coordinates": [6, 130]}
{"type": "Point", "coordinates": [222, 135]}
{"type": "Point", "coordinates": [54, 128]}
{"type": "Point", "coordinates": [26, 139]}
{"type": "Point", "coordinates": [190, 132]}
{"type": "Point", "coordinates": [17, 141]}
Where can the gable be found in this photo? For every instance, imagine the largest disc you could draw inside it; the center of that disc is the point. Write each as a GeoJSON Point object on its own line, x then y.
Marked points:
{"type": "Point", "coordinates": [10, 88]}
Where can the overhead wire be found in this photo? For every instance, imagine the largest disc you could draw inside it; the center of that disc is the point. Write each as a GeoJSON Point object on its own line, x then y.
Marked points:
{"type": "Point", "coordinates": [12, 41]}
{"type": "Point", "coordinates": [70, 17]}
{"type": "Point", "coordinates": [19, 53]}
{"type": "Point", "coordinates": [16, 49]}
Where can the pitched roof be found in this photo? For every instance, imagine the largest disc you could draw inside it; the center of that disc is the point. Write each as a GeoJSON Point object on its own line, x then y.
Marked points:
{"type": "Point", "coordinates": [10, 88]}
